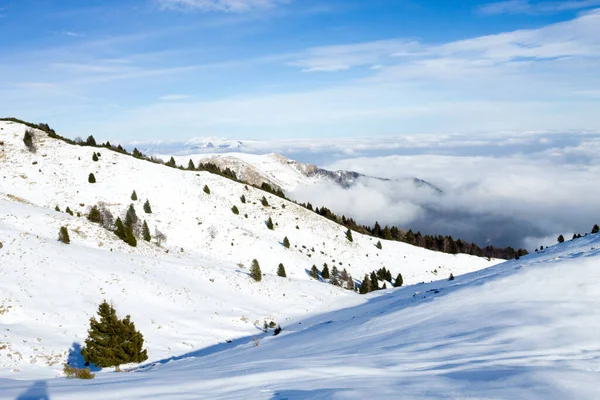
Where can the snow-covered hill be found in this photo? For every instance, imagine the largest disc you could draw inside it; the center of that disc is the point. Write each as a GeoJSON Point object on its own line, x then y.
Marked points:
{"type": "Point", "coordinates": [290, 175]}
{"type": "Point", "coordinates": [191, 293]}
{"type": "Point", "coordinates": [524, 329]}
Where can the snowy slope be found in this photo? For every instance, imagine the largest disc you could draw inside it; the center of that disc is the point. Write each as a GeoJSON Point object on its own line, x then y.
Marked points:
{"type": "Point", "coordinates": [525, 329]}
{"type": "Point", "coordinates": [293, 176]}
{"type": "Point", "coordinates": [192, 292]}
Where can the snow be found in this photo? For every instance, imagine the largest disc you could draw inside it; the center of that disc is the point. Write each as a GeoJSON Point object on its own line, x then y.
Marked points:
{"type": "Point", "coordinates": [273, 168]}
{"type": "Point", "coordinates": [522, 329]}
{"type": "Point", "coordinates": [188, 295]}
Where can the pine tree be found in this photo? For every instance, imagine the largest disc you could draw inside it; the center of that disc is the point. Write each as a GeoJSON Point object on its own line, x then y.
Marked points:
{"type": "Point", "coordinates": [111, 341]}
{"type": "Point", "coordinates": [94, 157]}
{"type": "Point", "coordinates": [349, 235]}
{"type": "Point", "coordinates": [63, 235]}
{"type": "Point", "coordinates": [286, 242]}
{"type": "Point", "coordinates": [374, 282]}
{"type": "Point", "coordinates": [281, 271]}
{"type": "Point", "coordinates": [28, 140]}
{"type": "Point", "coordinates": [91, 178]}
{"type": "Point", "coordinates": [131, 217]}
{"type": "Point", "coordinates": [399, 281]}
{"type": "Point", "coordinates": [365, 285]}
{"type": "Point", "coordinates": [270, 223]}
{"type": "Point", "coordinates": [255, 272]}
{"type": "Point", "coordinates": [235, 210]}
{"type": "Point", "coordinates": [57, 208]}
{"type": "Point", "coordinates": [314, 272]}
{"type": "Point", "coordinates": [146, 232]}
{"type": "Point", "coordinates": [384, 286]}
{"type": "Point", "coordinates": [451, 277]}
{"type": "Point", "coordinates": [90, 141]}
{"type": "Point", "coordinates": [68, 211]}
{"type": "Point", "coordinates": [334, 276]}
{"type": "Point", "coordinates": [206, 189]}
{"type": "Point", "coordinates": [134, 196]}
{"type": "Point", "coordinates": [119, 229]}
{"type": "Point", "coordinates": [130, 237]}
{"type": "Point", "coordinates": [94, 215]}
{"type": "Point", "coordinates": [191, 165]}
{"type": "Point", "coordinates": [147, 208]}
{"type": "Point", "coordinates": [325, 272]}
{"type": "Point", "coordinates": [561, 239]}
{"type": "Point", "coordinates": [243, 199]}
{"type": "Point", "coordinates": [378, 245]}
{"type": "Point", "coordinates": [264, 201]}
{"type": "Point", "coordinates": [595, 229]}
{"type": "Point", "coordinates": [171, 163]}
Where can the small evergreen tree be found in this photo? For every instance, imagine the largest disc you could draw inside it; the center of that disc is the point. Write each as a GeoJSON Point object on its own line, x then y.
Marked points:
{"type": "Point", "coordinates": [28, 140]}
{"type": "Point", "coordinates": [68, 211]}
{"type": "Point", "coordinates": [146, 232]}
{"type": "Point", "coordinates": [264, 201]}
{"type": "Point", "coordinates": [191, 165]}
{"type": "Point", "coordinates": [171, 163]}
{"type": "Point", "coordinates": [243, 199]}
{"type": "Point", "coordinates": [57, 208]}
{"type": "Point", "coordinates": [334, 276]}
{"type": "Point", "coordinates": [314, 272]}
{"type": "Point", "coordinates": [286, 242]}
{"type": "Point", "coordinates": [325, 272]}
{"type": "Point", "coordinates": [112, 341]}
{"type": "Point", "coordinates": [134, 196]}
{"type": "Point", "coordinates": [130, 237]}
{"type": "Point", "coordinates": [94, 157]}
{"type": "Point", "coordinates": [147, 208]}
{"type": "Point", "coordinates": [365, 285]}
{"type": "Point", "coordinates": [349, 235]}
{"type": "Point", "coordinates": [119, 229]}
{"type": "Point", "coordinates": [63, 235]}
{"type": "Point", "coordinates": [561, 239]}
{"type": "Point", "coordinates": [451, 277]}
{"type": "Point", "coordinates": [91, 178]}
{"type": "Point", "coordinates": [94, 215]}
{"type": "Point", "coordinates": [384, 286]}
{"type": "Point", "coordinates": [255, 272]}
{"type": "Point", "coordinates": [378, 245]}
{"type": "Point", "coordinates": [399, 281]}
{"type": "Point", "coordinates": [235, 210]}
{"type": "Point", "coordinates": [206, 189]}
{"type": "Point", "coordinates": [90, 141]}
{"type": "Point", "coordinates": [595, 229]}
{"type": "Point", "coordinates": [270, 223]}
{"type": "Point", "coordinates": [281, 271]}
{"type": "Point", "coordinates": [131, 217]}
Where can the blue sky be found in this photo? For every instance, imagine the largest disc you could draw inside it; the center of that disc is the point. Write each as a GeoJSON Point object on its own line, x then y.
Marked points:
{"type": "Point", "coordinates": [174, 69]}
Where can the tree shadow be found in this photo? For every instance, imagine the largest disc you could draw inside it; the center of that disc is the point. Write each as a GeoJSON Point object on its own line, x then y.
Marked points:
{"type": "Point", "coordinates": [75, 359]}
{"type": "Point", "coordinates": [38, 391]}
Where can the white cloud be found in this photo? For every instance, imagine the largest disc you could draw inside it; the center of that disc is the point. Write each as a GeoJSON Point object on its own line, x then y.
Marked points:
{"type": "Point", "coordinates": [175, 97]}
{"type": "Point", "coordinates": [235, 6]}
{"type": "Point", "coordinates": [529, 7]}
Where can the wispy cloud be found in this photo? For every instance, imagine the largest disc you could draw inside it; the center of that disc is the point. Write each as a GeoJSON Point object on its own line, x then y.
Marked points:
{"type": "Point", "coordinates": [235, 6]}
{"type": "Point", "coordinates": [530, 7]}
{"type": "Point", "coordinates": [174, 97]}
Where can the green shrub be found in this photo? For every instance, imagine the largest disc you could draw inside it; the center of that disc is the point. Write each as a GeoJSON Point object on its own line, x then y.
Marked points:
{"type": "Point", "coordinates": [235, 210]}
{"type": "Point", "coordinates": [77, 373]}
{"type": "Point", "coordinates": [91, 178]}
{"type": "Point", "coordinates": [206, 189]}
{"type": "Point", "coordinates": [255, 272]}
{"type": "Point", "coordinates": [281, 271]}
{"type": "Point", "coordinates": [63, 235]}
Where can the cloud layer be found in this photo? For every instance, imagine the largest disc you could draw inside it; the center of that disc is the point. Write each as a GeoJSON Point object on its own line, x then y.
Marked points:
{"type": "Point", "coordinates": [236, 6]}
